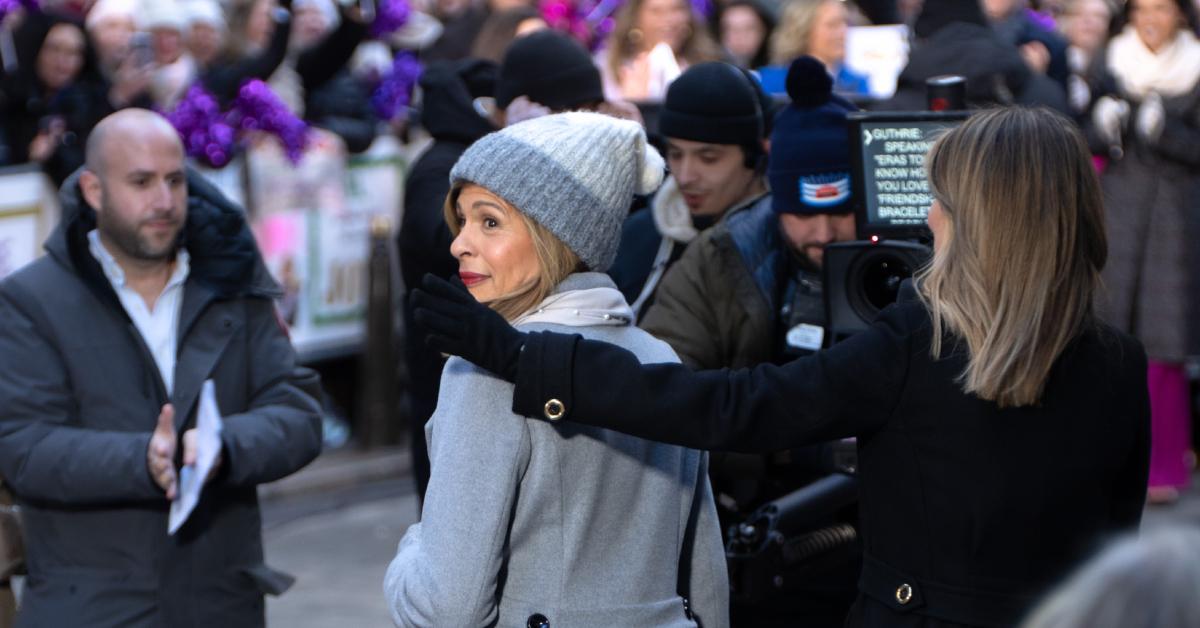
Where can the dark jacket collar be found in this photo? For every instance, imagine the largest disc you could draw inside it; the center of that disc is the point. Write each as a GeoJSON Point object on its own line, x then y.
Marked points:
{"type": "Point", "coordinates": [224, 255]}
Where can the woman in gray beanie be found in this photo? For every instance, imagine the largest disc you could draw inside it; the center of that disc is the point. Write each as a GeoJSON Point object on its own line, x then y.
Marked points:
{"type": "Point", "coordinates": [528, 523]}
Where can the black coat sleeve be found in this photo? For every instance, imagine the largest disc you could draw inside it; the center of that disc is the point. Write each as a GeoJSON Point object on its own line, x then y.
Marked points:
{"type": "Point", "coordinates": [225, 79]}
{"type": "Point", "coordinates": [850, 389]}
{"type": "Point", "coordinates": [1129, 488]}
{"type": "Point", "coordinates": [1180, 136]}
{"type": "Point", "coordinates": [322, 62]}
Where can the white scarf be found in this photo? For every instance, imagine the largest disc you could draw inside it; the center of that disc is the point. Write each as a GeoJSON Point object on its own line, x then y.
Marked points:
{"type": "Point", "coordinates": [1173, 70]}
{"type": "Point", "coordinates": [584, 307]}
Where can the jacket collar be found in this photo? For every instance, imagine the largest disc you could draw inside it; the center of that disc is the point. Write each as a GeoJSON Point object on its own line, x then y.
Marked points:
{"type": "Point", "coordinates": [223, 255]}
{"type": "Point", "coordinates": [672, 217]}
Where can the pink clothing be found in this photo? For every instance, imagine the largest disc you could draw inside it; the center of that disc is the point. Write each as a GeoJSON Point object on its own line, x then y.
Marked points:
{"type": "Point", "coordinates": [1170, 425]}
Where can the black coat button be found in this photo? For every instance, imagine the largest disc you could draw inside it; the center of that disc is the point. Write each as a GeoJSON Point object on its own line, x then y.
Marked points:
{"type": "Point", "coordinates": [537, 620]}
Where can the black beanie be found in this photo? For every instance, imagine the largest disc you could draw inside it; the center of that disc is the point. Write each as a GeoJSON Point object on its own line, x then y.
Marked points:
{"type": "Point", "coordinates": [938, 14]}
{"type": "Point", "coordinates": [714, 103]}
{"type": "Point", "coordinates": [550, 69]}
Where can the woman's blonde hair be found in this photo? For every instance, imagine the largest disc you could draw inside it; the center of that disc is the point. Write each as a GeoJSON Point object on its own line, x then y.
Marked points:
{"type": "Point", "coordinates": [555, 260]}
{"type": "Point", "coordinates": [699, 45]}
{"type": "Point", "coordinates": [1015, 276]}
{"type": "Point", "coordinates": [790, 39]}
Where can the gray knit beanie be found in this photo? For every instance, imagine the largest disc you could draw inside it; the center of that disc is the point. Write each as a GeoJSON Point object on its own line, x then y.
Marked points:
{"type": "Point", "coordinates": [574, 173]}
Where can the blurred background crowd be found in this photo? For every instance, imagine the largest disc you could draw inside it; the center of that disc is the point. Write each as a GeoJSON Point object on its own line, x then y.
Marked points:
{"type": "Point", "coordinates": [330, 85]}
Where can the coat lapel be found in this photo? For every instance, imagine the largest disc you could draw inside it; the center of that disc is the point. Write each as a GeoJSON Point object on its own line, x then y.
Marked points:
{"type": "Point", "coordinates": [203, 334]}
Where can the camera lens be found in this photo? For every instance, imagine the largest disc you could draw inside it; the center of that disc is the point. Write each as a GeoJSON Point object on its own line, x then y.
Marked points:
{"type": "Point", "coordinates": [881, 280]}
{"type": "Point", "coordinates": [875, 281]}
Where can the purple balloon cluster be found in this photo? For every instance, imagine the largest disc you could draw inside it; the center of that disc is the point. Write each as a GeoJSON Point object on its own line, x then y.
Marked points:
{"type": "Point", "coordinates": [390, 16]}
{"type": "Point", "coordinates": [206, 134]}
{"type": "Point", "coordinates": [257, 108]}
{"type": "Point", "coordinates": [394, 92]}
{"type": "Point", "coordinates": [211, 135]}
{"type": "Point", "coordinates": [9, 6]}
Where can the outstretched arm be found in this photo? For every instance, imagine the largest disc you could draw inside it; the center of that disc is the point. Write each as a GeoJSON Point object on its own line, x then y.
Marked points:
{"type": "Point", "coordinates": [848, 390]}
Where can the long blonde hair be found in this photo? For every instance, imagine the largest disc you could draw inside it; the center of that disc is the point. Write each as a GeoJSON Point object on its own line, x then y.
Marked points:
{"type": "Point", "coordinates": [555, 260]}
{"type": "Point", "coordinates": [790, 39]}
{"type": "Point", "coordinates": [1016, 275]}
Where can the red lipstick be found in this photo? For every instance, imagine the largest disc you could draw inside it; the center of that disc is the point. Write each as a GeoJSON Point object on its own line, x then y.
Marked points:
{"type": "Point", "coordinates": [470, 279]}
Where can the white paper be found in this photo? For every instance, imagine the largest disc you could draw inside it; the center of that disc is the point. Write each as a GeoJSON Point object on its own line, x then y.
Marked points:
{"type": "Point", "coordinates": [208, 447]}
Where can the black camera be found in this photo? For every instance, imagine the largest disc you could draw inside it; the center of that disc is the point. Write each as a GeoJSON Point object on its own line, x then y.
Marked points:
{"type": "Point", "coordinates": [891, 198]}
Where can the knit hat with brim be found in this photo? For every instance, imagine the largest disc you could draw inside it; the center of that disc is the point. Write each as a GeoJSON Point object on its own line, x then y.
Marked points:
{"type": "Point", "coordinates": [574, 173]}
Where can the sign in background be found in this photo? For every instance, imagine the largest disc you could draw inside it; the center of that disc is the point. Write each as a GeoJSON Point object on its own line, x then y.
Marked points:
{"type": "Point", "coordinates": [28, 213]}
{"type": "Point", "coordinates": [312, 222]}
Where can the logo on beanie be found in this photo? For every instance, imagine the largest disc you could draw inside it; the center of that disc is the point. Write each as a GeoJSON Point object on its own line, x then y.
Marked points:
{"type": "Point", "coordinates": [825, 190]}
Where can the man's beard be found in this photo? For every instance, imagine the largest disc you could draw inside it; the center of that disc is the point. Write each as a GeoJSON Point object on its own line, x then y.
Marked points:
{"type": "Point", "coordinates": [132, 243]}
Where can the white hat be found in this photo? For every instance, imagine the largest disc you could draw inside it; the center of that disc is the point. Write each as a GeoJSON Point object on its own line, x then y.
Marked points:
{"type": "Point", "coordinates": [109, 9]}
{"type": "Point", "coordinates": [205, 12]}
{"type": "Point", "coordinates": [164, 14]}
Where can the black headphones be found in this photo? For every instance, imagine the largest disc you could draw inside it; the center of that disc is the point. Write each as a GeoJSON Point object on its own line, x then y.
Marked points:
{"type": "Point", "coordinates": [755, 157]}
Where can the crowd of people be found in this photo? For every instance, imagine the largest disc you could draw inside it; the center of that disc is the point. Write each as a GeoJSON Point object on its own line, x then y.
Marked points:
{"type": "Point", "coordinates": [659, 175]}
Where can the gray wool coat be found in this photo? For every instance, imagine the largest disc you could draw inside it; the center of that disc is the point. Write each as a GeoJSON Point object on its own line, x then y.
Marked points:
{"type": "Point", "coordinates": [79, 397]}
{"type": "Point", "coordinates": [583, 526]}
{"type": "Point", "coordinates": [1152, 201]}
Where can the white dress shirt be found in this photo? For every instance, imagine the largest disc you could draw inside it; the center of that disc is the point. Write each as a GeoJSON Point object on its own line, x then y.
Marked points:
{"type": "Point", "coordinates": [159, 327]}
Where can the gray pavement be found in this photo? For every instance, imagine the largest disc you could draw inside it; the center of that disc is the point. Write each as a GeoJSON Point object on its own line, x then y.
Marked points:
{"type": "Point", "coordinates": [338, 543]}
{"type": "Point", "coordinates": [339, 558]}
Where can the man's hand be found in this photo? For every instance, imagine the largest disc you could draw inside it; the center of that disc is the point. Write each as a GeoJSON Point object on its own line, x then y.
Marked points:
{"type": "Point", "coordinates": [160, 456]}
{"type": "Point", "coordinates": [189, 454]}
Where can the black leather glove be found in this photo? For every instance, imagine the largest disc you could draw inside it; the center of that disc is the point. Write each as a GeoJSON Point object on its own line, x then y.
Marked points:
{"type": "Point", "coordinates": [459, 325]}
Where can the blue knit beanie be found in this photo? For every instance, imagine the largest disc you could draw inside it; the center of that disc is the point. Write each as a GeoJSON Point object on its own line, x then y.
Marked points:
{"type": "Point", "coordinates": [809, 164]}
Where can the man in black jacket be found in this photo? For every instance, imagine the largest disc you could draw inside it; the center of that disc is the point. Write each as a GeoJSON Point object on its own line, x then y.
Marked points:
{"type": "Point", "coordinates": [152, 286]}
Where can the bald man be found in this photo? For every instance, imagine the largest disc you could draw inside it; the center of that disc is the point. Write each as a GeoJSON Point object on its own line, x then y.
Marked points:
{"type": "Point", "coordinates": [152, 284]}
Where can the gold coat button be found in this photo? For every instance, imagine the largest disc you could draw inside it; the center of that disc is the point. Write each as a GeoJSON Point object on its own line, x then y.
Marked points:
{"type": "Point", "coordinates": [904, 594]}
{"type": "Point", "coordinates": [554, 410]}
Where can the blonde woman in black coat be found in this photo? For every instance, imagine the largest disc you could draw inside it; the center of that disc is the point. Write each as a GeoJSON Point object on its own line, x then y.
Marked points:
{"type": "Point", "coordinates": [1002, 429]}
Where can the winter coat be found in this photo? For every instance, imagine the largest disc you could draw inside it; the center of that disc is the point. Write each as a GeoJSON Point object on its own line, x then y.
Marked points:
{"type": "Point", "coordinates": [716, 306]}
{"type": "Point", "coordinates": [225, 77]}
{"type": "Point", "coordinates": [80, 395]}
{"type": "Point", "coordinates": [994, 70]}
{"type": "Point", "coordinates": [969, 511]}
{"type": "Point", "coordinates": [1152, 203]}
{"type": "Point", "coordinates": [424, 237]}
{"type": "Point", "coordinates": [1019, 29]}
{"type": "Point", "coordinates": [342, 106]}
{"type": "Point", "coordinates": [580, 526]}
{"type": "Point", "coordinates": [653, 240]}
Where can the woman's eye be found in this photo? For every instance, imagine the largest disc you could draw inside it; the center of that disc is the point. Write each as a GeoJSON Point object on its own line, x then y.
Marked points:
{"type": "Point", "coordinates": [490, 223]}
